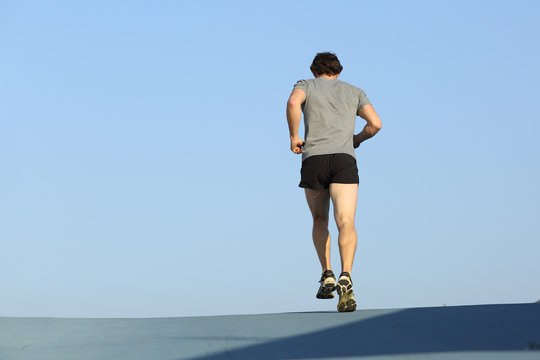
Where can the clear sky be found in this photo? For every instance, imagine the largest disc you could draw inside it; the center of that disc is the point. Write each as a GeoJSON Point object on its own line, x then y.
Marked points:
{"type": "Point", "coordinates": [146, 168]}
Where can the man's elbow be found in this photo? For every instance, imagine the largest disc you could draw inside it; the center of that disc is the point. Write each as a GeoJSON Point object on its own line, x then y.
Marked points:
{"type": "Point", "coordinates": [293, 104]}
{"type": "Point", "coordinates": [376, 125]}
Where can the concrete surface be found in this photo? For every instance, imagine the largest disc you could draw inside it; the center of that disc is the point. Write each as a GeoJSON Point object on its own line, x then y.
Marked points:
{"type": "Point", "coordinates": [509, 331]}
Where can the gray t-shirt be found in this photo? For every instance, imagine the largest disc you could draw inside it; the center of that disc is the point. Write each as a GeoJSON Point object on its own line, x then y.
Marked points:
{"type": "Point", "coordinates": [329, 115]}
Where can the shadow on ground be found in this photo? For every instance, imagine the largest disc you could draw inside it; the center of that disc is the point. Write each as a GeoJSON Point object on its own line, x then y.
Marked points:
{"type": "Point", "coordinates": [490, 328]}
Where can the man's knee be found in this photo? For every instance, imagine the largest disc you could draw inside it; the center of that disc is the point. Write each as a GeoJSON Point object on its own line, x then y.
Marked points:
{"type": "Point", "coordinates": [320, 219]}
{"type": "Point", "coordinates": [344, 222]}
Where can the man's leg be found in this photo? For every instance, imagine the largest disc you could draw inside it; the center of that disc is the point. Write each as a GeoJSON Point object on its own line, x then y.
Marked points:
{"type": "Point", "coordinates": [319, 204]}
{"type": "Point", "coordinates": [344, 198]}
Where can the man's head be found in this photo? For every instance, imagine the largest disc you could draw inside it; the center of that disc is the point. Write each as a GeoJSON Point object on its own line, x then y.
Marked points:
{"type": "Point", "coordinates": [326, 63]}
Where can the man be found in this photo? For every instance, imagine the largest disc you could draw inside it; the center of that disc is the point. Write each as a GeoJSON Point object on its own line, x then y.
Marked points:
{"type": "Point", "coordinates": [329, 170]}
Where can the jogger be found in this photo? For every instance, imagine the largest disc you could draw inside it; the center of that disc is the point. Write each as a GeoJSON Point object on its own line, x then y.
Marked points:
{"type": "Point", "coordinates": [329, 171]}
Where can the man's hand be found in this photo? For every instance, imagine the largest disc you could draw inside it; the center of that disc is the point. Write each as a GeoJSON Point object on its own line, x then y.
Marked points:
{"type": "Point", "coordinates": [296, 145]}
{"type": "Point", "coordinates": [356, 141]}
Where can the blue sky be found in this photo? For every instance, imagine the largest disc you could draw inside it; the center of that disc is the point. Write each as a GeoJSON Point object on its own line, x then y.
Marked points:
{"type": "Point", "coordinates": [147, 170]}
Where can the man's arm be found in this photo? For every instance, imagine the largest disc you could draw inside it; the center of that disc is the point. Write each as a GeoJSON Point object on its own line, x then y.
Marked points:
{"type": "Point", "coordinates": [372, 127]}
{"type": "Point", "coordinates": [294, 116]}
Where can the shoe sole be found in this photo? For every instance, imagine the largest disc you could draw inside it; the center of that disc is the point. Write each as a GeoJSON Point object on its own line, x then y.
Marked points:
{"type": "Point", "coordinates": [326, 291]}
{"type": "Point", "coordinates": [346, 303]}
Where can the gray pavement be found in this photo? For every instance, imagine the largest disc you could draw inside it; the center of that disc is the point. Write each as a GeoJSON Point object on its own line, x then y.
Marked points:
{"type": "Point", "coordinates": [510, 331]}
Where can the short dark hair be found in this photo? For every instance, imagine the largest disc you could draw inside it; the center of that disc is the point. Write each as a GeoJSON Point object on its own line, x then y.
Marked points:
{"type": "Point", "coordinates": [326, 63]}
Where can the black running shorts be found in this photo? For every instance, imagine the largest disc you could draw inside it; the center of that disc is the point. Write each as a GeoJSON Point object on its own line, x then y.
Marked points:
{"type": "Point", "coordinates": [319, 171]}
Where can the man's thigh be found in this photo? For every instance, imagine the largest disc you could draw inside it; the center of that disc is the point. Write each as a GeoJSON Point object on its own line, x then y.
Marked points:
{"type": "Point", "coordinates": [319, 202]}
{"type": "Point", "coordinates": [344, 198]}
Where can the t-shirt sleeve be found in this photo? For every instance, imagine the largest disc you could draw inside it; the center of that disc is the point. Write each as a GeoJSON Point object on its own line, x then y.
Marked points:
{"type": "Point", "coordinates": [362, 99]}
{"type": "Point", "coordinates": [301, 84]}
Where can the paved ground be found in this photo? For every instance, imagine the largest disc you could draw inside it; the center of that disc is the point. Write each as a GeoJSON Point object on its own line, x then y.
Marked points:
{"type": "Point", "coordinates": [461, 332]}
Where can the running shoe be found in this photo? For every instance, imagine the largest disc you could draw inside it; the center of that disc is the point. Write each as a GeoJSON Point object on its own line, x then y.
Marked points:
{"type": "Point", "coordinates": [346, 296]}
{"type": "Point", "coordinates": [328, 285]}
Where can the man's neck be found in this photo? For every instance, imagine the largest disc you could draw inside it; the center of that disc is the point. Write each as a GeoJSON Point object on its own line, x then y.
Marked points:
{"type": "Point", "coordinates": [330, 77]}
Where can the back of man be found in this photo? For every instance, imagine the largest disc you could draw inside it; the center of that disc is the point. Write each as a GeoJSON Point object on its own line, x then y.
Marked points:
{"type": "Point", "coordinates": [330, 112]}
{"type": "Point", "coordinates": [329, 170]}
